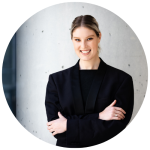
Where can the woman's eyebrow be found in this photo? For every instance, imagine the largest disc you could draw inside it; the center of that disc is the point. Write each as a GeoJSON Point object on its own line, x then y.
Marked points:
{"type": "Point", "coordinates": [87, 36]}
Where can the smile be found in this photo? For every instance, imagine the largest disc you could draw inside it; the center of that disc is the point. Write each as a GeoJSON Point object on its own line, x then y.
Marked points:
{"type": "Point", "coordinates": [85, 52]}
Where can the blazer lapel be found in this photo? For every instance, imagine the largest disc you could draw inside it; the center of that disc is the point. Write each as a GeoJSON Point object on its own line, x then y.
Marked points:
{"type": "Point", "coordinates": [77, 96]}
{"type": "Point", "coordinates": [95, 87]}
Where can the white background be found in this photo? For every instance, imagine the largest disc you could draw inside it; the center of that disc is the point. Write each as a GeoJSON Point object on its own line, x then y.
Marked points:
{"type": "Point", "coordinates": [13, 13]}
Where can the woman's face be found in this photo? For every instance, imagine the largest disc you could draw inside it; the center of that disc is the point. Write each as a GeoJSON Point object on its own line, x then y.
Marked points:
{"type": "Point", "coordinates": [85, 43]}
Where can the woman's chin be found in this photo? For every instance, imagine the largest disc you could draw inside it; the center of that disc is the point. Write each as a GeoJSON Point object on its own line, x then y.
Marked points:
{"type": "Point", "coordinates": [85, 58]}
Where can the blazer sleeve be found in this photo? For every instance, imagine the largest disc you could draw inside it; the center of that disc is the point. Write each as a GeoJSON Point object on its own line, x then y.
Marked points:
{"type": "Point", "coordinates": [53, 106]}
{"type": "Point", "coordinates": [95, 131]}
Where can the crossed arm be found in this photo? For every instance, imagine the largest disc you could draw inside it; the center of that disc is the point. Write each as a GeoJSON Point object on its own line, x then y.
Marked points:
{"type": "Point", "coordinates": [110, 113]}
{"type": "Point", "coordinates": [97, 127]}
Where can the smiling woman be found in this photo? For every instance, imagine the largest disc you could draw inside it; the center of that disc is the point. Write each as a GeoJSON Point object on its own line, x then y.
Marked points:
{"type": "Point", "coordinates": [86, 36]}
{"type": "Point", "coordinates": [85, 43]}
{"type": "Point", "coordinates": [90, 102]}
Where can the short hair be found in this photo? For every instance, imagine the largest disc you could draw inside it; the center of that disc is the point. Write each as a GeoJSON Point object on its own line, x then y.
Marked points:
{"type": "Point", "coordinates": [86, 21]}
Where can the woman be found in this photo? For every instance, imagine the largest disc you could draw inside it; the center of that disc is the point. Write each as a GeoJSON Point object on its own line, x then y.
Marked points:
{"type": "Point", "coordinates": [90, 102]}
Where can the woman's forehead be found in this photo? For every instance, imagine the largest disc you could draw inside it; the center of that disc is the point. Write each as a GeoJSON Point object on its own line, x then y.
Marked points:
{"type": "Point", "coordinates": [83, 32]}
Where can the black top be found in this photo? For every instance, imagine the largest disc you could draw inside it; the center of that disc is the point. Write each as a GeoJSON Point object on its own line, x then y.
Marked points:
{"type": "Point", "coordinates": [86, 79]}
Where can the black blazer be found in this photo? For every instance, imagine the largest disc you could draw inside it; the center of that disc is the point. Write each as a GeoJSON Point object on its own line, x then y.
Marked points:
{"type": "Point", "coordinates": [84, 129]}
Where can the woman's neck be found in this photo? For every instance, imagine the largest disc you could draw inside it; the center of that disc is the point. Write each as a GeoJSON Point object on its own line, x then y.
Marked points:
{"type": "Point", "coordinates": [92, 64]}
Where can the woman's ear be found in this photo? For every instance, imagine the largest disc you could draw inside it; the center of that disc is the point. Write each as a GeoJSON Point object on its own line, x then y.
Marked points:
{"type": "Point", "coordinates": [100, 35]}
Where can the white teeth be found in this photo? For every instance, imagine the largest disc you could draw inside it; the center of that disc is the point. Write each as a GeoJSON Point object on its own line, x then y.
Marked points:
{"type": "Point", "coordinates": [85, 51]}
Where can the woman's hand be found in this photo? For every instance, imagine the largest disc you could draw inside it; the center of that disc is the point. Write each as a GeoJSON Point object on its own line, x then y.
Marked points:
{"type": "Point", "coordinates": [58, 125]}
{"type": "Point", "coordinates": [112, 113]}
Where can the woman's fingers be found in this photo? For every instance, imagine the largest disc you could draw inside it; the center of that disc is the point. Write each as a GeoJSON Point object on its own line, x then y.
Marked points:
{"type": "Point", "coordinates": [49, 123]}
{"type": "Point", "coordinates": [113, 103]}
{"type": "Point", "coordinates": [119, 116]}
{"type": "Point", "coordinates": [119, 113]}
{"type": "Point", "coordinates": [54, 133]}
{"type": "Point", "coordinates": [49, 127]}
{"type": "Point", "coordinates": [112, 113]}
{"type": "Point", "coordinates": [116, 118]}
{"type": "Point", "coordinates": [51, 130]}
{"type": "Point", "coordinates": [120, 109]}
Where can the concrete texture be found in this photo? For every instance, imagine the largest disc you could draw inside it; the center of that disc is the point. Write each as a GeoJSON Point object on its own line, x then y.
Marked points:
{"type": "Point", "coordinates": [44, 46]}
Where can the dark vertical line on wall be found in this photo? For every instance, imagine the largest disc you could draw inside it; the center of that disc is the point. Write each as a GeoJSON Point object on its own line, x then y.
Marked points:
{"type": "Point", "coordinates": [14, 72]}
{"type": "Point", "coordinates": [9, 75]}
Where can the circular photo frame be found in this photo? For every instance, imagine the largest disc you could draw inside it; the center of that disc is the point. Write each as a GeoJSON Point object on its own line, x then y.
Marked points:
{"type": "Point", "coordinates": [39, 78]}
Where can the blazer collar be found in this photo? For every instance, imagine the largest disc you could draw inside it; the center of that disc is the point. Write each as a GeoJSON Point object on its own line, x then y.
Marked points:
{"type": "Point", "coordinates": [95, 87]}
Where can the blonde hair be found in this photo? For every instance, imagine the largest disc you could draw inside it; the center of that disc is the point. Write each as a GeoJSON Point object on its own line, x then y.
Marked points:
{"type": "Point", "coordinates": [86, 21]}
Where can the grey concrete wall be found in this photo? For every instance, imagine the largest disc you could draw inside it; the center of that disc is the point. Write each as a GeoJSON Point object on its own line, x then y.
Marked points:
{"type": "Point", "coordinates": [44, 46]}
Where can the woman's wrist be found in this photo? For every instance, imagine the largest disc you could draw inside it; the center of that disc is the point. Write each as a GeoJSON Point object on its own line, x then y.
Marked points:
{"type": "Point", "coordinates": [66, 125]}
{"type": "Point", "coordinates": [99, 115]}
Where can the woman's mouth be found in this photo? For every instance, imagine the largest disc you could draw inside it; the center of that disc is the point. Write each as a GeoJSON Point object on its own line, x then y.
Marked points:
{"type": "Point", "coordinates": [85, 52]}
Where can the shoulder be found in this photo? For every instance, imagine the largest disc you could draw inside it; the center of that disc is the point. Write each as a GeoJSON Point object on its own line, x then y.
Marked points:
{"type": "Point", "coordinates": [117, 78]}
{"type": "Point", "coordinates": [118, 74]}
{"type": "Point", "coordinates": [61, 74]}
{"type": "Point", "coordinates": [116, 71]}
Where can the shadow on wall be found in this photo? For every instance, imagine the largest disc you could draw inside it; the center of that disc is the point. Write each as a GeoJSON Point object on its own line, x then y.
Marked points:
{"type": "Point", "coordinates": [9, 75]}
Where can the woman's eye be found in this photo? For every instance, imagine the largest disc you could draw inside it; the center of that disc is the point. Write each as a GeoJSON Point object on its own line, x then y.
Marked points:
{"type": "Point", "coordinates": [77, 40]}
{"type": "Point", "coordinates": [90, 38]}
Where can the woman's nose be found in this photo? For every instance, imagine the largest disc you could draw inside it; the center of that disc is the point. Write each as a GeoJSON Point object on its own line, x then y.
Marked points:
{"type": "Point", "coordinates": [83, 45]}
